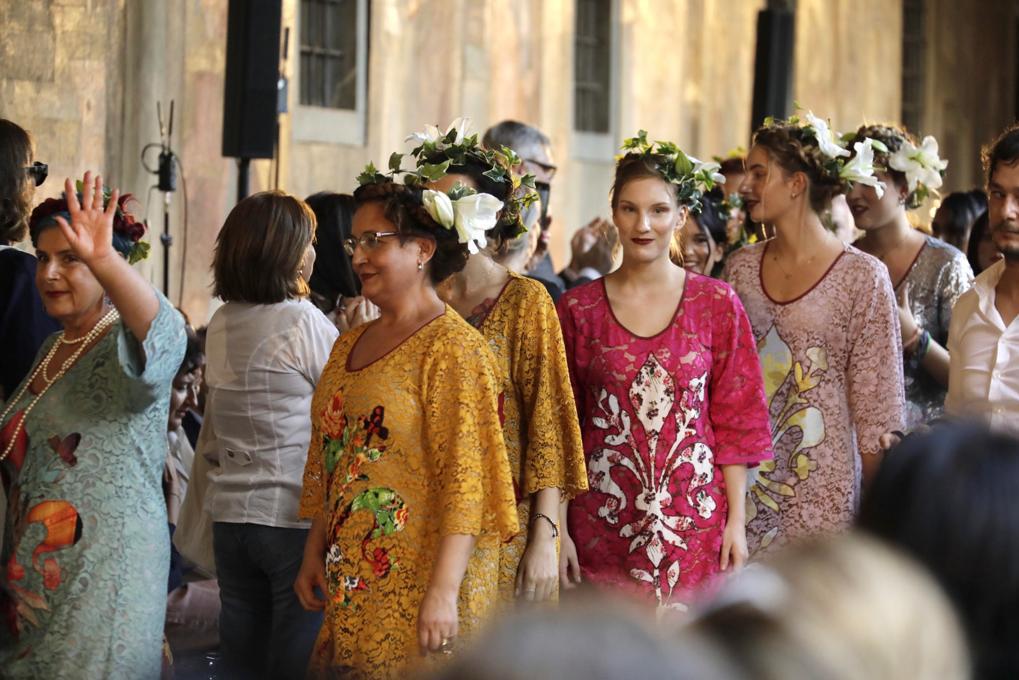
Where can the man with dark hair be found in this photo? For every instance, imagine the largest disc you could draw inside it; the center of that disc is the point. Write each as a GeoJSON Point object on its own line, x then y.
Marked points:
{"type": "Point", "coordinates": [983, 338]}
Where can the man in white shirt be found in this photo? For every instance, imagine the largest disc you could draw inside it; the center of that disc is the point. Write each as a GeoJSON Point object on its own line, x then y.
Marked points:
{"type": "Point", "coordinates": [983, 338]}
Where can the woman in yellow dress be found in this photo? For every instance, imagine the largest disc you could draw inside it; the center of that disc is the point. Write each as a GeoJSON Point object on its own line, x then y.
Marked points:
{"type": "Point", "coordinates": [407, 480]}
{"type": "Point", "coordinates": [518, 318]}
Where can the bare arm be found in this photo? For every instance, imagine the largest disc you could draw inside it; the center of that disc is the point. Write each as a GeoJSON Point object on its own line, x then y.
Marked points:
{"type": "Point", "coordinates": [734, 537]}
{"type": "Point", "coordinates": [569, 564]}
{"type": "Point", "coordinates": [538, 571]}
{"type": "Point", "coordinates": [437, 616]}
{"type": "Point", "coordinates": [313, 568]}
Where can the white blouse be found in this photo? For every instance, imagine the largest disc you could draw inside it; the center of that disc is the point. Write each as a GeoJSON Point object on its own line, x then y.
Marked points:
{"type": "Point", "coordinates": [263, 362]}
{"type": "Point", "coordinates": [983, 376]}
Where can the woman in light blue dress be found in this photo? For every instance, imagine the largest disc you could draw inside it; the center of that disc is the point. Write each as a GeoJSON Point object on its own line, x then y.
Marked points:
{"type": "Point", "coordinates": [82, 447]}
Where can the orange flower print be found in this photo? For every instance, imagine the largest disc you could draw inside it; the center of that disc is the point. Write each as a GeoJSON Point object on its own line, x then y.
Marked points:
{"type": "Point", "coordinates": [333, 420]}
{"type": "Point", "coordinates": [15, 572]}
{"type": "Point", "coordinates": [401, 517]}
{"type": "Point", "coordinates": [50, 574]}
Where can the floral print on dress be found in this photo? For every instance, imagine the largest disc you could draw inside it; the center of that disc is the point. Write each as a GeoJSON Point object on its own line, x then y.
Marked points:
{"type": "Point", "coordinates": [659, 418]}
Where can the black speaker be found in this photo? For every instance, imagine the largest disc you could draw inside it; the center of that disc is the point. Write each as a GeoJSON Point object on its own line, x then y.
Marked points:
{"type": "Point", "coordinates": [252, 69]}
{"type": "Point", "coordinates": [773, 65]}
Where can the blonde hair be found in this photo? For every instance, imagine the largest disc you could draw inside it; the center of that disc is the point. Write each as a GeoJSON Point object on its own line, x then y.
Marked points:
{"type": "Point", "coordinates": [838, 608]}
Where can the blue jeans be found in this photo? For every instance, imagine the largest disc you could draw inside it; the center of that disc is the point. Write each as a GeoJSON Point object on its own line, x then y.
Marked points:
{"type": "Point", "coordinates": [264, 631]}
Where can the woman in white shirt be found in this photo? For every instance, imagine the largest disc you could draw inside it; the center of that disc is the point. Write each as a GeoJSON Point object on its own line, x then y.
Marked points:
{"type": "Point", "coordinates": [266, 347]}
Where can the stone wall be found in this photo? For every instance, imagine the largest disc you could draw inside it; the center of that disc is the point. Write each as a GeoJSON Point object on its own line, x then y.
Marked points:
{"type": "Point", "coordinates": [85, 75]}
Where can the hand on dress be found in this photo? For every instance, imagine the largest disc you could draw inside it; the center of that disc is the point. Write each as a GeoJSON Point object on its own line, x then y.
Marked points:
{"type": "Point", "coordinates": [734, 545]}
{"type": "Point", "coordinates": [569, 564]}
{"type": "Point", "coordinates": [437, 620]}
{"type": "Point", "coordinates": [311, 575]}
{"type": "Point", "coordinates": [538, 571]}
{"type": "Point", "coordinates": [90, 233]}
{"type": "Point", "coordinates": [907, 324]}
{"type": "Point", "coordinates": [355, 312]}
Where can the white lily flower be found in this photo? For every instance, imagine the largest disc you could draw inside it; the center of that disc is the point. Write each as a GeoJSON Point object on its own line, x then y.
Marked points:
{"type": "Point", "coordinates": [920, 165]}
{"type": "Point", "coordinates": [710, 169]}
{"type": "Point", "coordinates": [430, 134]}
{"type": "Point", "coordinates": [826, 140]}
{"type": "Point", "coordinates": [474, 215]}
{"type": "Point", "coordinates": [860, 169]}
{"type": "Point", "coordinates": [439, 207]}
{"type": "Point", "coordinates": [461, 125]}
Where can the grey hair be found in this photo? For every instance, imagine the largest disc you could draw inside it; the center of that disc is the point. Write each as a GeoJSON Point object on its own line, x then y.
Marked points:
{"type": "Point", "coordinates": [524, 139]}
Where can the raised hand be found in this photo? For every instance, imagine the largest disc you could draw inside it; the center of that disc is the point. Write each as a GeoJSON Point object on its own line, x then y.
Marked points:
{"type": "Point", "coordinates": [90, 232]}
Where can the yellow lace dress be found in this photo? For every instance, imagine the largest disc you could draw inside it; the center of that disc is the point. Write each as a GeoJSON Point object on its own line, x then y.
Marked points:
{"type": "Point", "coordinates": [403, 452]}
{"type": "Point", "coordinates": [540, 425]}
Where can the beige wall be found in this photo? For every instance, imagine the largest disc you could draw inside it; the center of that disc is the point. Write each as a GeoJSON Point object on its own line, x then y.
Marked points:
{"type": "Point", "coordinates": [685, 72]}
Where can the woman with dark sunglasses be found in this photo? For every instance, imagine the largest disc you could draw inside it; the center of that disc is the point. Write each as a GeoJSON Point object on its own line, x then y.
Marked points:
{"type": "Point", "coordinates": [23, 322]}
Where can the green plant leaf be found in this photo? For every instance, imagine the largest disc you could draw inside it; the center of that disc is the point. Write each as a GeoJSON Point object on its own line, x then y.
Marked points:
{"type": "Point", "coordinates": [434, 171]}
{"type": "Point", "coordinates": [683, 165]}
{"type": "Point", "coordinates": [394, 161]}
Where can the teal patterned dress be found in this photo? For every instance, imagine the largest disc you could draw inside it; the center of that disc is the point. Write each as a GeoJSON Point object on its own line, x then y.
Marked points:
{"type": "Point", "coordinates": [86, 552]}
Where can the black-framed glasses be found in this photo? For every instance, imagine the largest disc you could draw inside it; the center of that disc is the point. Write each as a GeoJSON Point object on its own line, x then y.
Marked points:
{"type": "Point", "coordinates": [38, 172]}
{"type": "Point", "coordinates": [368, 241]}
{"type": "Point", "coordinates": [547, 167]}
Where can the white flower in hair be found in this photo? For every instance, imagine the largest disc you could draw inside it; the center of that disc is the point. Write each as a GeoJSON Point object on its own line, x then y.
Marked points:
{"type": "Point", "coordinates": [439, 207]}
{"type": "Point", "coordinates": [860, 169]}
{"type": "Point", "coordinates": [707, 171]}
{"type": "Point", "coordinates": [826, 139]}
{"type": "Point", "coordinates": [474, 215]}
{"type": "Point", "coordinates": [920, 165]}
{"type": "Point", "coordinates": [432, 134]}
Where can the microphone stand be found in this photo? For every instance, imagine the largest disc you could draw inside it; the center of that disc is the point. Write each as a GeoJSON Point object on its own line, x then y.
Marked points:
{"type": "Point", "coordinates": [167, 184]}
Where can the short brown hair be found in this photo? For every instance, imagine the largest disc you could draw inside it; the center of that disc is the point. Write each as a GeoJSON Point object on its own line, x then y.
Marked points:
{"type": "Point", "coordinates": [260, 248]}
{"type": "Point", "coordinates": [1004, 149]}
{"type": "Point", "coordinates": [15, 184]}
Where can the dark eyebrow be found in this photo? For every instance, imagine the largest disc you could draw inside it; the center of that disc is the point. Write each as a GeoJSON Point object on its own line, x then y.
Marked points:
{"type": "Point", "coordinates": [756, 165]}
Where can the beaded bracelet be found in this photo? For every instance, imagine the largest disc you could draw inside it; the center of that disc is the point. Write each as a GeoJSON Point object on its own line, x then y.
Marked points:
{"type": "Point", "coordinates": [555, 527]}
{"type": "Point", "coordinates": [924, 345]}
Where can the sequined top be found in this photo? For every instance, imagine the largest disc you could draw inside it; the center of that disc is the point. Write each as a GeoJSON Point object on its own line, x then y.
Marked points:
{"type": "Point", "coordinates": [934, 282]}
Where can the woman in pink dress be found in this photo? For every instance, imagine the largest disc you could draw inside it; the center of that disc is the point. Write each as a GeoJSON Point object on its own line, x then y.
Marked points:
{"type": "Point", "coordinates": [671, 402]}
{"type": "Point", "coordinates": [827, 330]}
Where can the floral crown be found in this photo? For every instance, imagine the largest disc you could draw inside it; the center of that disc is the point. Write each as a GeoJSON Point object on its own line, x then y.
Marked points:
{"type": "Point", "coordinates": [841, 165]}
{"type": "Point", "coordinates": [691, 176]}
{"type": "Point", "coordinates": [923, 168]}
{"type": "Point", "coordinates": [470, 212]}
{"type": "Point", "coordinates": [127, 231]}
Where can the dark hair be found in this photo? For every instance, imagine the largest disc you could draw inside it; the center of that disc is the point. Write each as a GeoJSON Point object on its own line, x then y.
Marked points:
{"type": "Point", "coordinates": [976, 234]}
{"type": "Point", "coordinates": [194, 352]}
{"type": "Point", "coordinates": [634, 166]}
{"type": "Point", "coordinates": [794, 149]}
{"type": "Point", "coordinates": [947, 497]}
{"type": "Point", "coordinates": [333, 274]}
{"type": "Point", "coordinates": [260, 249]}
{"type": "Point", "coordinates": [1004, 149]}
{"type": "Point", "coordinates": [711, 218]}
{"type": "Point", "coordinates": [964, 207]}
{"type": "Point", "coordinates": [520, 137]}
{"type": "Point", "coordinates": [402, 206]}
{"type": "Point", "coordinates": [15, 185]}
{"type": "Point", "coordinates": [734, 165]}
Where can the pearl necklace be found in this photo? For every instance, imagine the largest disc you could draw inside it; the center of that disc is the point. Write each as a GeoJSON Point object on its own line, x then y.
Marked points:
{"type": "Point", "coordinates": [111, 318]}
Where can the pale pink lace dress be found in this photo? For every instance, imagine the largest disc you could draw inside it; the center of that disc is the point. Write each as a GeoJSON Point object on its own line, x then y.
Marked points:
{"type": "Point", "coordinates": [832, 363]}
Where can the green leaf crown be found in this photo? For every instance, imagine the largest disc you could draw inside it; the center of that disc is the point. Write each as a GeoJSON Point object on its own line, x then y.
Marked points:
{"type": "Point", "coordinates": [433, 159]}
{"type": "Point", "coordinates": [691, 177]}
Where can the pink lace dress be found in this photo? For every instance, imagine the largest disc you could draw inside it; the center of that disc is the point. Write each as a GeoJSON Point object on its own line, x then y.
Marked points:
{"type": "Point", "coordinates": [832, 361]}
{"type": "Point", "coordinates": [659, 416]}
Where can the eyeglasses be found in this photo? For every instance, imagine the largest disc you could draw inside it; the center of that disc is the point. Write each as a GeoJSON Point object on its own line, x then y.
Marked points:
{"type": "Point", "coordinates": [369, 241]}
{"type": "Point", "coordinates": [38, 171]}
{"type": "Point", "coordinates": [547, 167]}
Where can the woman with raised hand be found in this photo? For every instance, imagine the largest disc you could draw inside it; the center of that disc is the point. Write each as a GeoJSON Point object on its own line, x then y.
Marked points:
{"type": "Point", "coordinates": [82, 449]}
{"type": "Point", "coordinates": [517, 317]}
{"type": "Point", "coordinates": [928, 275]}
{"type": "Point", "coordinates": [668, 386]}
{"type": "Point", "coordinates": [827, 331]}
{"type": "Point", "coordinates": [407, 482]}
